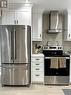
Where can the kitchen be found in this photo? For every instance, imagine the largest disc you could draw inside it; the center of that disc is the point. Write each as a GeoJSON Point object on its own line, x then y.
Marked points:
{"type": "Point", "coordinates": [51, 42]}
{"type": "Point", "coordinates": [40, 37]}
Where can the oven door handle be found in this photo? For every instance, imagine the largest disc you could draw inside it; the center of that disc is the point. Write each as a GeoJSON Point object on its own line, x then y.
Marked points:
{"type": "Point", "coordinates": [67, 57]}
{"type": "Point", "coordinates": [47, 57]}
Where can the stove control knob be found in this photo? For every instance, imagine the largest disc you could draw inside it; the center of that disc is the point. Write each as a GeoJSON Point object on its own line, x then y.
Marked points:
{"type": "Point", "coordinates": [58, 47]}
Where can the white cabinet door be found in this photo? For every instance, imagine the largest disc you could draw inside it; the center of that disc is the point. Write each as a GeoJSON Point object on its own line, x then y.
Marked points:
{"type": "Point", "coordinates": [23, 18]}
{"type": "Point", "coordinates": [67, 23]}
{"type": "Point", "coordinates": [16, 14]}
{"type": "Point", "coordinates": [8, 18]}
{"type": "Point", "coordinates": [69, 26]}
{"type": "Point", "coordinates": [70, 68]}
{"type": "Point", "coordinates": [16, 18]}
{"type": "Point", "coordinates": [37, 27]}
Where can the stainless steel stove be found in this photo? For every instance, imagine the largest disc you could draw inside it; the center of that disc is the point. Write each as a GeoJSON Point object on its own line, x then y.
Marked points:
{"type": "Point", "coordinates": [56, 65]}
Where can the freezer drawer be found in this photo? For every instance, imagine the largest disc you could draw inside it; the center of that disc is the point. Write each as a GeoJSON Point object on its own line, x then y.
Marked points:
{"type": "Point", "coordinates": [15, 74]}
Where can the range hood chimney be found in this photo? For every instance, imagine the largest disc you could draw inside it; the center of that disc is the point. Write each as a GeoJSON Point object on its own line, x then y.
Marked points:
{"type": "Point", "coordinates": [55, 22]}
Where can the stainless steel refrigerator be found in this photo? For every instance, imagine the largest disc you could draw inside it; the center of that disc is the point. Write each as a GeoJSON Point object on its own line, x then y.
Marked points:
{"type": "Point", "coordinates": [15, 55]}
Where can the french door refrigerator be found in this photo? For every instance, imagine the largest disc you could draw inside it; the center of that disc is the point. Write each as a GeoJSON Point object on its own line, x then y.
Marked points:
{"type": "Point", "coordinates": [15, 55]}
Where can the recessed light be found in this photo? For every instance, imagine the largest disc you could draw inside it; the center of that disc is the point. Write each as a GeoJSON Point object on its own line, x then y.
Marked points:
{"type": "Point", "coordinates": [27, 1]}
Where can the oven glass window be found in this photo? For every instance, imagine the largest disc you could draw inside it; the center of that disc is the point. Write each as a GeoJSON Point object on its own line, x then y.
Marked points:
{"type": "Point", "coordinates": [56, 66]}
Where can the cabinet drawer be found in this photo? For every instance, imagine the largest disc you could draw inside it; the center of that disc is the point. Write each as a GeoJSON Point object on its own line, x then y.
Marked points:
{"type": "Point", "coordinates": [37, 77]}
{"type": "Point", "coordinates": [37, 73]}
{"type": "Point", "coordinates": [37, 60]}
{"type": "Point", "coordinates": [40, 64]}
{"type": "Point", "coordinates": [37, 68]}
{"type": "Point", "coordinates": [15, 74]}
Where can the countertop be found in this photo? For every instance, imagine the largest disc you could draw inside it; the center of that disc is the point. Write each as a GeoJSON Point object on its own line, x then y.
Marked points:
{"type": "Point", "coordinates": [39, 54]}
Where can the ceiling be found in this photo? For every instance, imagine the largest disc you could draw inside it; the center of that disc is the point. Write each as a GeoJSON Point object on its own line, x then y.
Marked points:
{"type": "Point", "coordinates": [47, 4]}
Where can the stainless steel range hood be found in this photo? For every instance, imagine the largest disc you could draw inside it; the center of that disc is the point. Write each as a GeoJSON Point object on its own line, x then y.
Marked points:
{"type": "Point", "coordinates": [55, 22]}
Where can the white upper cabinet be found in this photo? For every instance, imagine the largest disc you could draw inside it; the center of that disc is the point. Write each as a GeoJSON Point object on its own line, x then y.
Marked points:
{"type": "Point", "coordinates": [67, 22]}
{"type": "Point", "coordinates": [37, 27]}
{"type": "Point", "coordinates": [8, 18]}
{"type": "Point", "coordinates": [16, 14]}
{"type": "Point", "coordinates": [69, 26]}
{"type": "Point", "coordinates": [23, 18]}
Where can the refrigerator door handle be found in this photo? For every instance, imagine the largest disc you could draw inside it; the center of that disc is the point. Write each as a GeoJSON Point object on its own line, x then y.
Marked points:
{"type": "Point", "coordinates": [12, 49]}
{"type": "Point", "coordinates": [14, 44]}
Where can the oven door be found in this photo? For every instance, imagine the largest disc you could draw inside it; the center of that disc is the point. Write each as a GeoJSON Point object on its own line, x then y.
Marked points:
{"type": "Point", "coordinates": [57, 66]}
{"type": "Point", "coordinates": [56, 70]}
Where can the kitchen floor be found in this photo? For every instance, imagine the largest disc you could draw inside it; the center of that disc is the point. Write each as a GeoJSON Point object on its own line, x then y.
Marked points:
{"type": "Point", "coordinates": [35, 90]}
